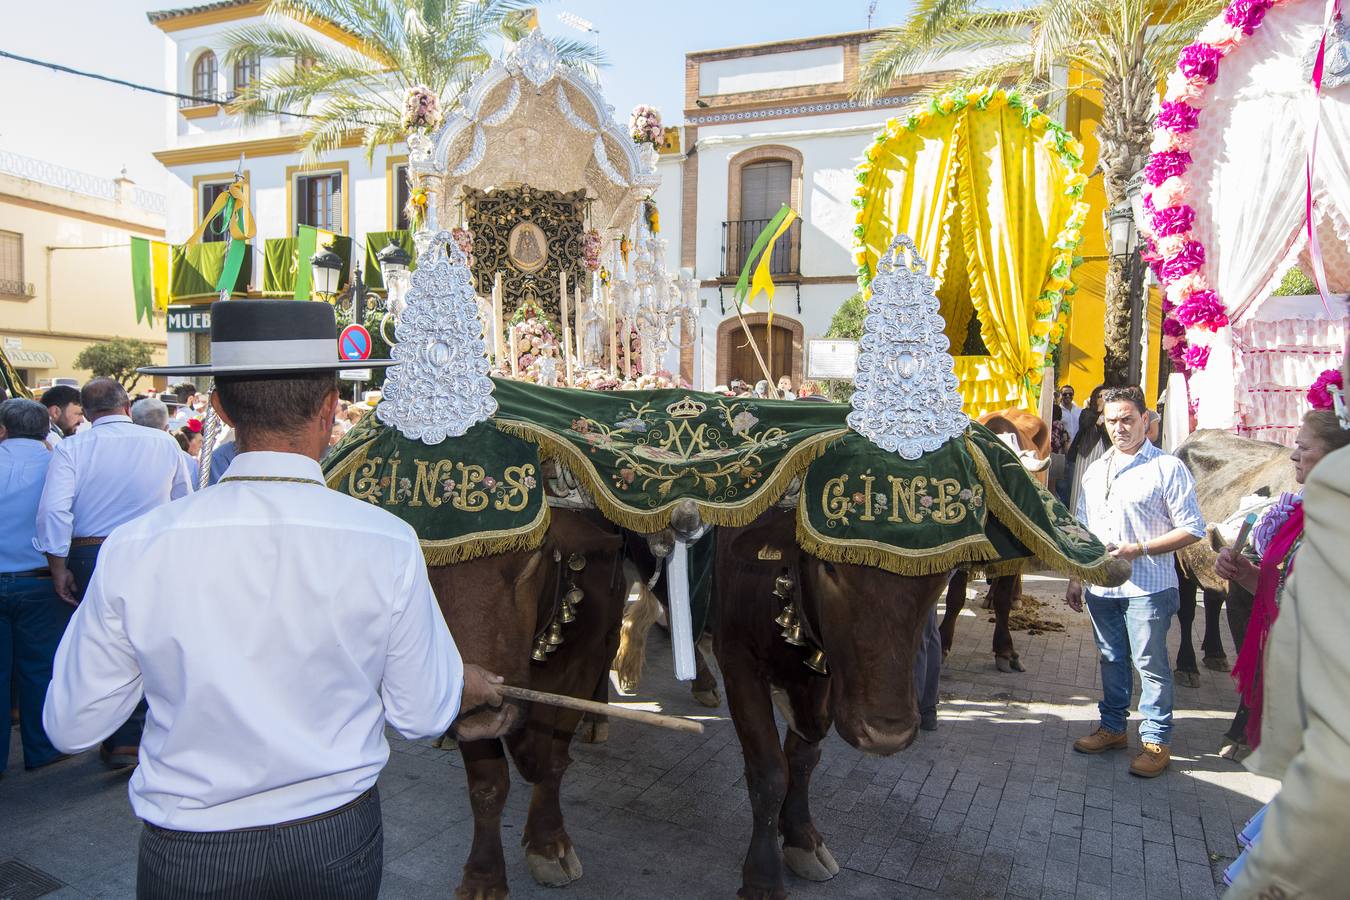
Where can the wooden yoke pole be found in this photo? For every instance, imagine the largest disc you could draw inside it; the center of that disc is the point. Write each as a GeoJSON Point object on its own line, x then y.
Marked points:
{"type": "Point", "coordinates": [641, 716]}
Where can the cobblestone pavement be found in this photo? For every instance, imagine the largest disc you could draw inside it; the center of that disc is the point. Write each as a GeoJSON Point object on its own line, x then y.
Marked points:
{"type": "Point", "coordinates": [994, 804]}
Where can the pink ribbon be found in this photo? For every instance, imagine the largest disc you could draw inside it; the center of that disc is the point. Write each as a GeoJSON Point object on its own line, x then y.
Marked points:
{"type": "Point", "coordinates": [1314, 247]}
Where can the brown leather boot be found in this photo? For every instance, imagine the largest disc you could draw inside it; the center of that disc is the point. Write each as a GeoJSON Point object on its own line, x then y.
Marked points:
{"type": "Point", "coordinates": [1152, 760]}
{"type": "Point", "coordinates": [1100, 741]}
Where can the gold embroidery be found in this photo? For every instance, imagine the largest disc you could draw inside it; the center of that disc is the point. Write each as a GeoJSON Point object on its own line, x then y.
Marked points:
{"type": "Point", "coordinates": [907, 492]}
{"type": "Point", "coordinates": [945, 511]}
{"type": "Point", "coordinates": [517, 492]}
{"type": "Point", "coordinates": [362, 483]}
{"type": "Point", "coordinates": [833, 502]}
{"type": "Point", "coordinates": [428, 481]}
{"type": "Point", "coordinates": [467, 500]}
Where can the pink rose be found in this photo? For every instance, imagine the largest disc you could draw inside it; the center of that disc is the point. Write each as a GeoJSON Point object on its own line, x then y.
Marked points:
{"type": "Point", "coordinates": [1172, 328]}
{"type": "Point", "coordinates": [1246, 14]}
{"type": "Point", "coordinates": [1170, 246]}
{"type": "Point", "coordinates": [1177, 353]}
{"type": "Point", "coordinates": [1170, 140]}
{"type": "Point", "coordinates": [1200, 61]}
{"type": "Point", "coordinates": [1171, 192]}
{"type": "Point", "coordinates": [1189, 258]}
{"type": "Point", "coordinates": [1169, 341]}
{"type": "Point", "coordinates": [1203, 309]}
{"type": "Point", "coordinates": [1318, 395]}
{"type": "Point", "coordinates": [1165, 165]}
{"type": "Point", "coordinates": [1177, 116]}
{"type": "Point", "coordinates": [1196, 357]}
{"type": "Point", "coordinates": [1172, 220]}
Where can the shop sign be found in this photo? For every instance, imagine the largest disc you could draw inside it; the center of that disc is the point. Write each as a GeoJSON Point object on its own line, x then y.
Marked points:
{"type": "Point", "coordinates": [193, 319]}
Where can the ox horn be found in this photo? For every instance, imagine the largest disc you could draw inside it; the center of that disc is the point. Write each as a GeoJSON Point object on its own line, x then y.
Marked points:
{"type": "Point", "coordinates": [1033, 463]}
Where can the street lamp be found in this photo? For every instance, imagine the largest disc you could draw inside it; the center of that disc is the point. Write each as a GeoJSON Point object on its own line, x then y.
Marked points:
{"type": "Point", "coordinates": [394, 262]}
{"type": "Point", "coordinates": [325, 271]}
{"type": "Point", "coordinates": [1124, 235]}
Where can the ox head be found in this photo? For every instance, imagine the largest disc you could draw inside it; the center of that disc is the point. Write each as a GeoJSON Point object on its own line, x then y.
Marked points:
{"type": "Point", "coordinates": [870, 622]}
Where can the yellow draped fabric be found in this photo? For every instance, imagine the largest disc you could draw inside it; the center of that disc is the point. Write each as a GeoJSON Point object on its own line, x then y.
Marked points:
{"type": "Point", "coordinates": [984, 198]}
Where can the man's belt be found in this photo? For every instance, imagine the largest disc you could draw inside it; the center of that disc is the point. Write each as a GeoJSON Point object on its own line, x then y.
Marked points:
{"type": "Point", "coordinates": [29, 573]}
{"type": "Point", "coordinates": [87, 541]}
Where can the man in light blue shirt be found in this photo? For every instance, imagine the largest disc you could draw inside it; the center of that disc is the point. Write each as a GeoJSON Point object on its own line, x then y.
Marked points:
{"type": "Point", "coordinates": [32, 617]}
{"type": "Point", "coordinates": [1140, 503]}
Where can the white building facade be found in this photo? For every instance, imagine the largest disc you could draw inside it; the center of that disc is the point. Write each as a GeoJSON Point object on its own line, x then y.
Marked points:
{"type": "Point", "coordinates": [346, 193]}
{"type": "Point", "coordinates": [766, 125]}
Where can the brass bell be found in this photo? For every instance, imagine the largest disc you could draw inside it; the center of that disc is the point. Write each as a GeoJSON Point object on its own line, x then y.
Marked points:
{"type": "Point", "coordinates": [787, 616]}
{"type": "Point", "coordinates": [793, 635]}
{"type": "Point", "coordinates": [576, 562]}
{"type": "Point", "coordinates": [782, 586]}
{"type": "Point", "coordinates": [565, 613]}
{"type": "Point", "coordinates": [554, 635]}
{"type": "Point", "coordinates": [816, 663]}
{"type": "Point", "coordinates": [575, 596]}
{"type": "Point", "coordinates": [540, 652]}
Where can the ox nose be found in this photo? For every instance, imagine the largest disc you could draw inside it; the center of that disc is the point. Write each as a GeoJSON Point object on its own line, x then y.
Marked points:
{"type": "Point", "coordinates": [880, 737]}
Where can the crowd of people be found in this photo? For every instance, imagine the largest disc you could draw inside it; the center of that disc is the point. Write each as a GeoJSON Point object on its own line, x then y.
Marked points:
{"type": "Point", "coordinates": [94, 479]}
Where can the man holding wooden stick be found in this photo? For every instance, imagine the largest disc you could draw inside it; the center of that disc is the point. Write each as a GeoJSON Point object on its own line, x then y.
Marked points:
{"type": "Point", "coordinates": [270, 684]}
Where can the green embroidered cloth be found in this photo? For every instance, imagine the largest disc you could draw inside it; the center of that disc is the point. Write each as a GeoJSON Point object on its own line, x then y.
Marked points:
{"type": "Point", "coordinates": [639, 453]}
{"type": "Point", "coordinates": [475, 495]}
{"type": "Point", "coordinates": [193, 271]}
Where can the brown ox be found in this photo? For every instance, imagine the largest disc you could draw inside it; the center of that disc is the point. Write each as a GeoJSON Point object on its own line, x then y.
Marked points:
{"type": "Point", "coordinates": [1033, 437]}
{"type": "Point", "coordinates": [496, 608]}
{"type": "Point", "coordinates": [868, 622]}
{"type": "Point", "coordinates": [1226, 468]}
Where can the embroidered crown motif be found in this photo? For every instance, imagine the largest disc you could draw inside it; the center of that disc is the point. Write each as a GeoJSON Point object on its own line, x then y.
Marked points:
{"type": "Point", "coordinates": [687, 408]}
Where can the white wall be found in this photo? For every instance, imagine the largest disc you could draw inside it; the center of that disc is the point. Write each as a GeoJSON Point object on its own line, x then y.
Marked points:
{"type": "Point", "coordinates": [771, 71]}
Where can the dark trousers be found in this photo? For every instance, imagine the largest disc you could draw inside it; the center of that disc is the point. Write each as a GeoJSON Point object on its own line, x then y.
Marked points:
{"type": "Point", "coordinates": [928, 664]}
{"type": "Point", "coordinates": [32, 620]}
{"type": "Point", "coordinates": [337, 855]}
{"type": "Point", "coordinates": [81, 562]}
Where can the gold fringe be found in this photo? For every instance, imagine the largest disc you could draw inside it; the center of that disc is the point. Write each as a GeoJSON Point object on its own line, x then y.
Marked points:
{"type": "Point", "coordinates": [1026, 531]}
{"type": "Point", "coordinates": [897, 560]}
{"type": "Point", "coordinates": [735, 515]}
{"type": "Point", "coordinates": [488, 543]}
{"type": "Point", "coordinates": [1000, 567]}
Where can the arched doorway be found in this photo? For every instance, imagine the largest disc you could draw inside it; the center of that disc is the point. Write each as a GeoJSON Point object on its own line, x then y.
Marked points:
{"type": "Point", "coordinates": [781, 349]}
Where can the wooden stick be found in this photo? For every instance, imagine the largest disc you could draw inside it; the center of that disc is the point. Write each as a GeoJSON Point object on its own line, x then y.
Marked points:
{"type": "Point", "coordinates": [674, 723]}
{"type": "Point", "coordinates": [499, 339]}
{"type": "Point", "coordinates": [759, 357]}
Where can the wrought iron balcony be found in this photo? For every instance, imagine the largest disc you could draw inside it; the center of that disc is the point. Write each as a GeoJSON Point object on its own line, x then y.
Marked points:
{"type": "Point", "coordinates": [738, 238]}
{"type": "Point", "coordinates": [200, 100]}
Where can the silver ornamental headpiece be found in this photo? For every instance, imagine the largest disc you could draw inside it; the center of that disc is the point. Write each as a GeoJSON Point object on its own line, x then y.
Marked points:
{"type": "Point", "coordinates": [906, 399]}
{"type": "Point", "coordinates": [441, 387]}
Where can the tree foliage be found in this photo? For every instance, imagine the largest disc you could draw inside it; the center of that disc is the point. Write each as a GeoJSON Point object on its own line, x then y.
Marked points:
{"type": "Point", "coordinates": [117, 359]}
{"type": "Point", "coordinates": [441, 44]}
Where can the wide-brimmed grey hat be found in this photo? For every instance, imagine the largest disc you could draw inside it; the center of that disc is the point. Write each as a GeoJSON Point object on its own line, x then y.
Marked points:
{"type": "Point", "coordinates": [265, 337]}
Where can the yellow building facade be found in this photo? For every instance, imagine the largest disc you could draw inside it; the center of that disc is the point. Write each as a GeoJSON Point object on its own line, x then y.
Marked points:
{"type": "Point", "coordinates": [65, 266]}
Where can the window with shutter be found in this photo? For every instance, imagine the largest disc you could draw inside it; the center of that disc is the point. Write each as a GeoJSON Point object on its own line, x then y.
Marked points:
{"type": "Point", "coordinates": [216, 230]}
{"type": "Point", "coordinates": [401, 220]}
{"type": "Point", "coordinates": [319, 201]}
{"type": "Point", "coordinates": [204, 72]}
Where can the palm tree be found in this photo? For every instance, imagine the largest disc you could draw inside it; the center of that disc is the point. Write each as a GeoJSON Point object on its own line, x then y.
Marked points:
{"type": "Point", "coordinates": [441, 44]}
{"type": "Point", "coordinates": [1123, 48]}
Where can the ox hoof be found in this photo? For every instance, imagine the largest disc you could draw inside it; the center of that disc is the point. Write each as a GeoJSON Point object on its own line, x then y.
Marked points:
{"type": "Point", "coordinates": [1187, 679]}
{"type": "Point", "coordinates": [464, 892]}
{"type": "Point", "coordinates": [813, 865]}
{"type": "Point", "coordinates": [1217, 663]}
{"type": "Point", "coordinates": [554, 872]}
{"type": "Point", "coordinates": [593, 732]}
{"type": "Point", "coordinates": [1009, 663]}
{"type": "Point", "coordinates": [711, 699]}
{"type": "Point", "coordinates": [444, 742]}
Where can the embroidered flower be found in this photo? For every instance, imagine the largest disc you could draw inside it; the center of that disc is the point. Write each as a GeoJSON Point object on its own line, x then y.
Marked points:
{"type": "Point", "coordinates": [581, 426]}
{"type": "Point", "coordinates": [530, 482]}
{"type": "Point", "coordinates": [743, 421]}
{"type": "Point", "coordinates": [632, 423]}
{"type": "Point", "coordinates": [925, 501]}
{"type": "Point", "coordinates": [489, 482]}
{"type": "Point", "coordinates": [627, 475]}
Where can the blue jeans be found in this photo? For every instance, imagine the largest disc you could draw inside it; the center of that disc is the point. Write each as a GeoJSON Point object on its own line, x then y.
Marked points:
{"type": "Point", "coordinates": [81, 562]}
{"type": "Point", "coordinates": [32, 620]}
{"type": "Point", "coordinates": [1135, 629]}
{"type": "Point", "coordinates": [928, 664]}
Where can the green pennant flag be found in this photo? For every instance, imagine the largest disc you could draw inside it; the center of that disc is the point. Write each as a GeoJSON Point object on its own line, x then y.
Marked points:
{"type": "Point", "coordinates": [770, 231]}
{"type": "Point", "coordinates": [149, 277]}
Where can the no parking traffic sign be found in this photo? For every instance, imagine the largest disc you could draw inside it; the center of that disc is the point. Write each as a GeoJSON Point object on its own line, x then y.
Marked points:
{"type": "Point", "coordinates": [354, 343]}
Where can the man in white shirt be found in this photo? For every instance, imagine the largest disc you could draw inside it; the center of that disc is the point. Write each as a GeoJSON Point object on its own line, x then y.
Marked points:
{"type": "Point", "coordinates": [1140, 503]}
{"type": "Point", "coordinates": [1071, 410]}
{"type": "Point", "coordinates": [99, 479]}
{"type": "Point", "coordinates": [271, 681]}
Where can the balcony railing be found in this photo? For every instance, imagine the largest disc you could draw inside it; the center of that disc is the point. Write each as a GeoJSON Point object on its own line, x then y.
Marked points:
{"type": "Point", "coordinates": [738, 238]}
{"type": "Point", "coordinates": [201, 100]}
{"type": "Point", "coordinates": [11, 288]}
